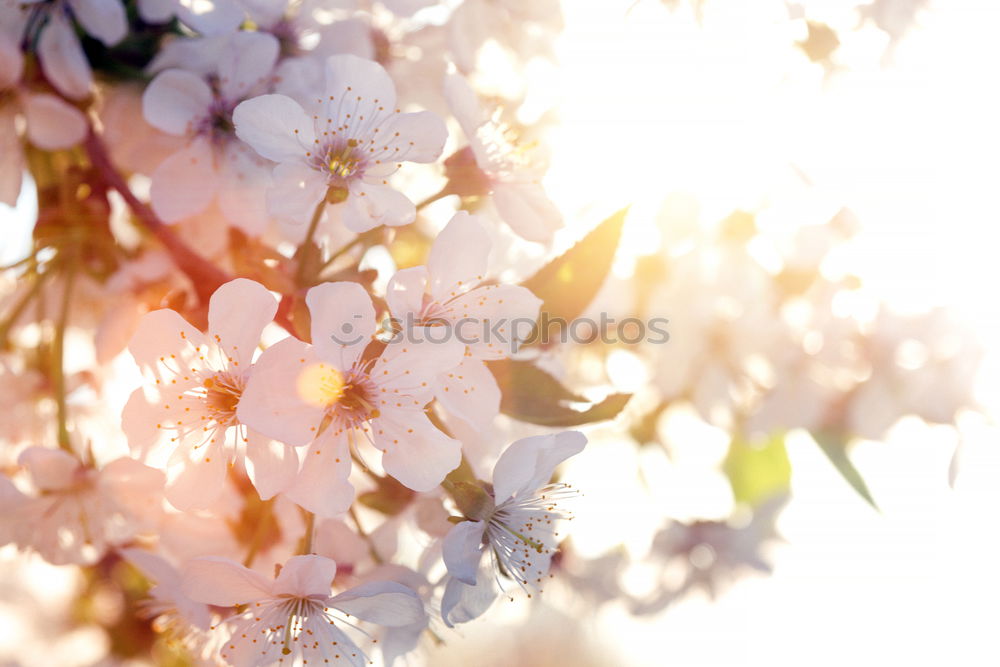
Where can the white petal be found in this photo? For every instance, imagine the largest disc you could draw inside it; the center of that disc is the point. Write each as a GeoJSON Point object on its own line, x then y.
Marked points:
{"type": "Point", "coordinates": [459, 257]}
{"type": "Point", "coordinates": [462, 550]}
{"type": "Point", "coordinates": [409, 365]}
{"type": "Point", "coordinates": [222, 582]}
{"type": "Point", "coordinates": [462, 603]}
{"type": "Point", "coordinates": [11, 61]}
{"type": "Point", "coordinates": [247, 63]}
{"type": "Point", "coordinates": [528, 210]}
{"type": "Point", "coordinates": [185, 183]}
{"type": "Point", "coordinates": [470, 392]}
{"type": "Point", "coordinates": [50, 469]}
{"type": "Point", "coordinates": [422, 136]}
{"type": "Point", "coordinates": [370, 205]}
{"type": "Point", "coordinates": [162, 335]}
{"type": "Point", "coordinates": [157, 11]}
{"type": "Point", "coordinates": [322, 486]}
{"type": "Point", "coordinates": [271, 466]}
{"type": "Point", "coordinates": [498, 319]}
{"type": "Point", "coordinates": [528, 463]}
{"type": "Point", "coordinates": [387, 603]}
{"type": "Point", "coordinates": [342, 321]}
{"type": "Point", "coordinates": [295, 192]}
{"type": "Point", "coordinates": [176, 101]}
{"type": "Point", "coordinates": [405, 292]}
{"type": "Point", "coordinates": [352, 77]}
{"type": "Point", "coordinates": [275, 126]}
{"type": "Point", "coordinates": [237, 313]}
{"type": "Point", "coordinates": [103, 19]}
{"type": "Point", "coordinates": [52, 123]}
{"type": "Point", "coordinates": [464, 105]}
{"type": "Point", "coordinates": [244, 180]}
{"type": "Point", "coordinates": [201, 479]}
{"type": "Point", "coordinates": [211, 17]}
{"type": "Point", "coordinates": [416, 453]}
{"type": "Point", "coordinates": [302, 576]}
{"type": "Point", "coordinates": [63, 60]}
{"type": "Point", "coordinates": [347, 36]}
{"type": "Point", "coordinates": [153, 566]}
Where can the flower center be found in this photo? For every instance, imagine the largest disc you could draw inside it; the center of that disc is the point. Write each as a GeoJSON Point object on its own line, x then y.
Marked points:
{"type": "Point", "coordinates": [342, 161]}
{"type": "Point", "coordinates": [348, 399]}
{"type": "Point", "coordinates": [222, 395]}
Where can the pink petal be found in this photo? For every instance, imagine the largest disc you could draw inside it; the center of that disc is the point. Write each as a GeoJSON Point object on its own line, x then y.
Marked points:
{"type": "Point", "coordinates": [370, 205]}
{"type": "Point", "coordinates": [459, 257]}
{"type": "Point", "coordinates": [247, 63]}
{"type": "Point", "coordinates": [351, 77]}
{"type": "Point", "coordinates": [296, 189]}
{"type": "Point", "coordinates": [237, 314]}
{"type": "Point", "coordinates": [416, 453]}
{"type": "Point", "coordinates": [272, 466]}
{"type": "Point", "coordinates": [528, 210]}
{"type": "Point", "coordinates": [222, 582]}
{"type": "Point", "coordinates": [103, 19]}
{"type": "Point", "coordinates": [302, 576]}
{"type": "Point", "coordinates": [176, 101]}
{"type": "Point", "coordinates": [275, 402]}
{"type": "Point", "coordinates": [275, 126]}
{"type": "Point", "coordinates": [63, 60]}
{"type": "Point", "coordinates": [343, 322]}
{"type": "Point", "coordinates": [52, 123]}
{"type": "Point", "coordinates": [185, 183]}
{"type": "Point", "coordinates": [322, 486]}
{"type": "Point", "coordinates": [405, 292]}
{"type": "Point", "coordinates": [470, 392]}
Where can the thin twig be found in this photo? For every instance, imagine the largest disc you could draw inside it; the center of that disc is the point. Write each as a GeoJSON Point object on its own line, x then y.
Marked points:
{"type": "Point", "coordinates": [205, 276]}
{"type": "Point", "coordinates": [58, 353]}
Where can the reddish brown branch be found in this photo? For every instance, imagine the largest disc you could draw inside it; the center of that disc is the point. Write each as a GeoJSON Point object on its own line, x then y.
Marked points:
{"type": "Point", "coordinates": [205, 276]}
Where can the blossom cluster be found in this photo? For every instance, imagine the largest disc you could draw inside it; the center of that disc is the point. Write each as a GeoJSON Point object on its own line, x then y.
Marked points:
{"type": "Point", "coordinates": [208, 409]}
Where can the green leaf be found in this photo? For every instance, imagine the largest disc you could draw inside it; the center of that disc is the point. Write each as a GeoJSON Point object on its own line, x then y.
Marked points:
{"type": "Point", "coordinates": [531, 395]}
{"type": "Point", "coordinates": [835, 448]}
{"type": "Point", "coordinates": [758, 471]}
{"type": "Point", "coordinates": [568, 284]}
{"type": "Point", "coordinates": [389, 497]}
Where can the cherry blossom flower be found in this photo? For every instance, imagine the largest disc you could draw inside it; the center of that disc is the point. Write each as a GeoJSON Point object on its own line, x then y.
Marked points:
{"type": "Point", "coordinates": [515, 526]}
{"type": "Point", "coordinates": [294, 619]}
{"type": "Point", "coordinates": [330, 397]}
{"type": "Point", "coordinates": [52, 124]}
{"type": "Point", "coordinates": [450, 288]}
{"type": "Point", "coordinates": [174, 614]}
{"type": "Point", "coordinates": [50, 25]}
{"type": "Point", "coordinates": [189, 410]}
{"type": "Point", "coordinates": [207, 17]}
{"type": "Point", "coordinates": [199, 106]}
{"type": "Point", "coordinates": [346, 149]}
{"type": "Point", "coordinates": [79, 511]}
{"type": "Point", "coordinates": [499, 168]}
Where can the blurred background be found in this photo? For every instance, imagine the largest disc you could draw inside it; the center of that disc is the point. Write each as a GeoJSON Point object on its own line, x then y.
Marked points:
{"type": "Point", "coordinates": [806, 473]}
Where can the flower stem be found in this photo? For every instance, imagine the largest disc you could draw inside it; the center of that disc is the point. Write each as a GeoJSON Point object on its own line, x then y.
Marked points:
{"type": "Point", "coordinates": [58, 353]}
{"type": "Point", "coordinates": [433, 198]}
{"type": "Point", "coordinates": [302, 254]}
{"type": "Point", "coordinates": [306, 545]}
{"type": "Point", "coordinates": [263, 522]}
